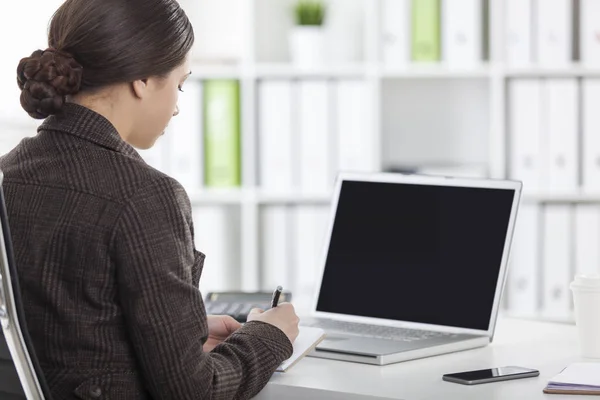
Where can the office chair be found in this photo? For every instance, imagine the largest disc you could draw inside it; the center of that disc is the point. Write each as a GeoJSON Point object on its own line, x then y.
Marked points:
{"type": "Point", "coordinates": [20, 373]}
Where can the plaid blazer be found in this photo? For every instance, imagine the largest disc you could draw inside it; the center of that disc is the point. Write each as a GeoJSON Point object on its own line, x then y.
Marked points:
{"type": "Point", "coordinates": [104, 246]}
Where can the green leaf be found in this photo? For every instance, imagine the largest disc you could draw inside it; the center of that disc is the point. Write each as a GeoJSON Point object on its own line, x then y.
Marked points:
{"type": "Point", "coordinates": [309, 12]}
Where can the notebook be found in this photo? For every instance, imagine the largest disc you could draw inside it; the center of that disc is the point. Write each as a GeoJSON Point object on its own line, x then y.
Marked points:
{"type": "Point", "coordinates": [307, 340]}
{"type": "Point", "coordinates": [577, 378]}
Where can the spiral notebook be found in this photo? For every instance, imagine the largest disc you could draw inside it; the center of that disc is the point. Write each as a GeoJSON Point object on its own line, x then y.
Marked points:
{"type": "Point", "coordinates": [307, 340]}
{"type": "Point", "coordinates": [577, 378]}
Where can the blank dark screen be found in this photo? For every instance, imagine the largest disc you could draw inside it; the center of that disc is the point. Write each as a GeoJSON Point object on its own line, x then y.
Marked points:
{"type": "Point", "coordinates": [419, 253]}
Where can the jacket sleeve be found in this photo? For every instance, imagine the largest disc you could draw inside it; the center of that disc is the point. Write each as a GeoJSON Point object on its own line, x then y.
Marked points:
{"type": "Point", "coordinates": [164, 311]}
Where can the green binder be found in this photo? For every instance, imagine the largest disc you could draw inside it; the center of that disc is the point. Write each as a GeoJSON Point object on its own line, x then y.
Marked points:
{"type": "Point", "coordinates": [426, 30]}
{"type": "Point", "coordinates": [222, 154]}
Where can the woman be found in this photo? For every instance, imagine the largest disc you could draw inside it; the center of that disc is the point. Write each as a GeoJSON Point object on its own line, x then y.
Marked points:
{"type": "Point", "coordinates": [104, 244]}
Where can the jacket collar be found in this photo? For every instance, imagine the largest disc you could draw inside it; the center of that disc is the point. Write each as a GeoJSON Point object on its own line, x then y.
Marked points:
{"type": "Point", "coordinates": [88, 125]}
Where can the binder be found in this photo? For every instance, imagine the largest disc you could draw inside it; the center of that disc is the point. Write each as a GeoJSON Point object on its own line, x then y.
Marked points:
{"type": "Point", "coordinates": [222, 133]}
{"type": "Point", "coordinates": [275, 135]}
{"type": "Point", "coordinates": [556, 301]}
{"type": "Point", "coordinates": [524, 271]}
{"type": "Point", "coordinates": [157, 156]}
{"type": "Point", "coordinates": [525, 133]}
{"type": "Point", "coordinates": [554, 32]}
{"type": "Point", "coordinates": [426, 30]}
{"type": "Point", "coordinates": [34, 37]}
{"type": "Point", "coordinates": [589, 33]}
{"type": "Point", "coordinates": [216, 233]}
{"type": "Point", "coordinates": [185, 138]}
{"type": "Point", "coordinates": [315, 150]}
{"type": "Point", "coordinates": [591, 138]}
{"type": "Point", "coordinates": [560, 126]}
{"type": "Point", "coordinates": [275, 247]}
{"type": "Point", "coordinates": [218, 29]}
{"type": "Point", "coordinates": [462, 32]}
{"type": "Point", "coordinates": [587, 237]}
{"type": "Point", "coordinates": [396, 22]}
{"type": "Point", "coordinates": [519, 32]}
{"type": "Point", "coordinates": [309, 229]}
{"type": "Point", "coordinates": [344, 31]}
{"type": "Point", "coordinates": [356, 150]}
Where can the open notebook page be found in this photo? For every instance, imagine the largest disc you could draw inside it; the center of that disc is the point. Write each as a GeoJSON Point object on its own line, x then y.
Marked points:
{"type": "Point", "coordinates": [307, 340]}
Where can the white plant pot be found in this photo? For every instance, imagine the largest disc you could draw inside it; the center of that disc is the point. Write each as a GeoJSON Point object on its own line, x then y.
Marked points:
{"type": "Point", "coordinates": [307, 46]}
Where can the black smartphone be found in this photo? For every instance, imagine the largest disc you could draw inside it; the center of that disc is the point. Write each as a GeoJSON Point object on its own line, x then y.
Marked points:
{"type": "Point", "coordinates": [490, 375]}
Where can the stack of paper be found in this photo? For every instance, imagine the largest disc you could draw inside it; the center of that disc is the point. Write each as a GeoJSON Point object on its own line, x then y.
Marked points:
{"type": "Point", "coordinates": [578, 378]}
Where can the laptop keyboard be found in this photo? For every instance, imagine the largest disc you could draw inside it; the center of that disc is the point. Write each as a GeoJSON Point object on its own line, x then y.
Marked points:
{"type": "Point", "coordinates": [377, 331]}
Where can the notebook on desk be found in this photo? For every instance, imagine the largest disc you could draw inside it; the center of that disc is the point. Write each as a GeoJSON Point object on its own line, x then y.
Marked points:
{"type": "Point", "coordinates": [307, 340]}
{"type": "Point", "coordinates": [577, 378]}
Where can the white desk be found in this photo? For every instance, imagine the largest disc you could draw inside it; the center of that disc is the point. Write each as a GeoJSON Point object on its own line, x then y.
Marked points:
{"type": "Point", "coordinates": [547, 347]}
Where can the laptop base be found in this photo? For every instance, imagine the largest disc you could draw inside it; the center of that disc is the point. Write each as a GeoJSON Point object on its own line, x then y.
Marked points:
{"type": "Point", "coordinates": [325, 351]}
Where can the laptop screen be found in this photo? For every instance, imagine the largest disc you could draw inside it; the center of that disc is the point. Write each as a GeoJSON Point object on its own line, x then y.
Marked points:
{"type": "Point", "coordinates": [418, 253]}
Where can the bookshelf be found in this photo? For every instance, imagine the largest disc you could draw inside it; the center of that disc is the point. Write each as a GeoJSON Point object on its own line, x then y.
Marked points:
{"type": "Point", "coordinates": [394, 117]}
{"type": "Point", "coordinates": [438, 117]}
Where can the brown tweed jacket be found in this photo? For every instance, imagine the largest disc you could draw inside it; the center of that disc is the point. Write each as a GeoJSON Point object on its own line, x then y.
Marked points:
{"type": "Point", "coordinates": [105, 253]}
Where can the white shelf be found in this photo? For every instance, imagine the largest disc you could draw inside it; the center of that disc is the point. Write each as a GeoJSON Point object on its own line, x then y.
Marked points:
{"type": "Point", "coordinates": [283, 70]}
{"type": "Point", "coordinates": [428, 71]}
{"type": "Point", "coordinates": [562, 198]}
{"type": "Point", "coordinates": [463, 110]}
{"type": "Point", "coordinates": [216, 71]}
{"type": "Point", "coordinates": [414, 71]}
{"type": "Point", "coordinates": [291, 198]}
{"type": "Point", "coordinates": [571, 71]}
{"type": "Point", "coordinates": [216, 197]}
{"type": "Point", "coordinates": [254, 196]}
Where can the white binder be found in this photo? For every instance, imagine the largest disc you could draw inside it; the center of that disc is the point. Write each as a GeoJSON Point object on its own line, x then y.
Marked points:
{"type": "Point", "coordinates": [185, 138]}
{"type": "Point", "coordinates": [309, 229]}
{"type": "Point", "coordinates": [356, 151]}
{"type": "Point", "coordinates": [518, 31]}
{"type": "Point", "coordinates": [523, 288]}
{"type": "Point", "coordinates": [560, 126]}
{"type": "Point", "coordinates": [587, 238]}
{"type": "Point", "coordinates": [158, 155]}
{"type": "Point", "coordinates": [396, 27]}
{"type": "Point", "coordinates": [217, 232]}
{"type": "Point", "coordinates": [344, 31]}
{"type": "Point", "coordinates": [591, 137]}
{"type": "Point", "coordinates": [462, 32]}
{"type": "Point", "coordinates": [20, 43]}
{"type": "Point", "coordinates": [218, 29]}
{"type": "Point", "coordinates": [556, 301]}
{"type": "Point", "coordinates": [275, 135]}
{"type": "Point", "coordinates": [589, 35]}
{"type": "Point", "coordinates": [275, 247]}
{"type": "Point", "coordinates": [316, 172]}
{"type": "Point", "coordinates": [554, 35]}
{"type": "Point", "coordinates": [525, 133]}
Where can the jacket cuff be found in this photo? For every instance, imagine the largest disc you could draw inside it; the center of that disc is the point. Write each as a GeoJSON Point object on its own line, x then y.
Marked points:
{"type": "Point", "coordinates": [272, 337]}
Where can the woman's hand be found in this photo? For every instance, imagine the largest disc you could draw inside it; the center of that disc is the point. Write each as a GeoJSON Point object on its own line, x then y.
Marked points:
{"type": "Point", "coordinates": [220, 327]}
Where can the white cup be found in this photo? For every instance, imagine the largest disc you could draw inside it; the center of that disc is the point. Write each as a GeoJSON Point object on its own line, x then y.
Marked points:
{"type": "Point", "coordinates": [586, 296]}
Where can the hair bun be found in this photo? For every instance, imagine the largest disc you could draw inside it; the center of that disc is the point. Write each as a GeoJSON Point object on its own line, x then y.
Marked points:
{"type": "Point", "coordinates": [45, 79]}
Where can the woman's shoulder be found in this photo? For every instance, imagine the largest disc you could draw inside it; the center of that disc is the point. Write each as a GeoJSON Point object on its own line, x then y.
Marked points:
{"type": "Point", "coordinates": [151, 183]}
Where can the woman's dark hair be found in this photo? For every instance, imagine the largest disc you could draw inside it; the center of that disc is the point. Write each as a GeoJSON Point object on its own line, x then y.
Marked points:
{"type": "Point", "coordinates": [95, 43]}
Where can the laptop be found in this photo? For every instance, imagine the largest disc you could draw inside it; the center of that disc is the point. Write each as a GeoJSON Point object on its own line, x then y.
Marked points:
{"type": "Point", "coordinates": [414, 266]}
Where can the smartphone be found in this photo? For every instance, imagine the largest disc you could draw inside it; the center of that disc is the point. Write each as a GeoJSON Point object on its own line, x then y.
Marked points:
{"type": "Point", "coordinates": [490, 375]}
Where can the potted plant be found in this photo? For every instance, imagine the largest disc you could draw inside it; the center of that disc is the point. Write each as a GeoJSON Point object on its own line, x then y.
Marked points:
{"type": "Point", "coordinates": [307, 37]}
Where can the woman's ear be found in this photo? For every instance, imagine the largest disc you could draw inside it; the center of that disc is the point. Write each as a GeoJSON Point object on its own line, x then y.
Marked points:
{"type": "Point", "coordinates": [139, 88]}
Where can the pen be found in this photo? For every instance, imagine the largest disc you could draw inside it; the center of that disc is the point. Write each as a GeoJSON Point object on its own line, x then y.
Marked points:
{"type": "Point", "coordinates": [276, 294]}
